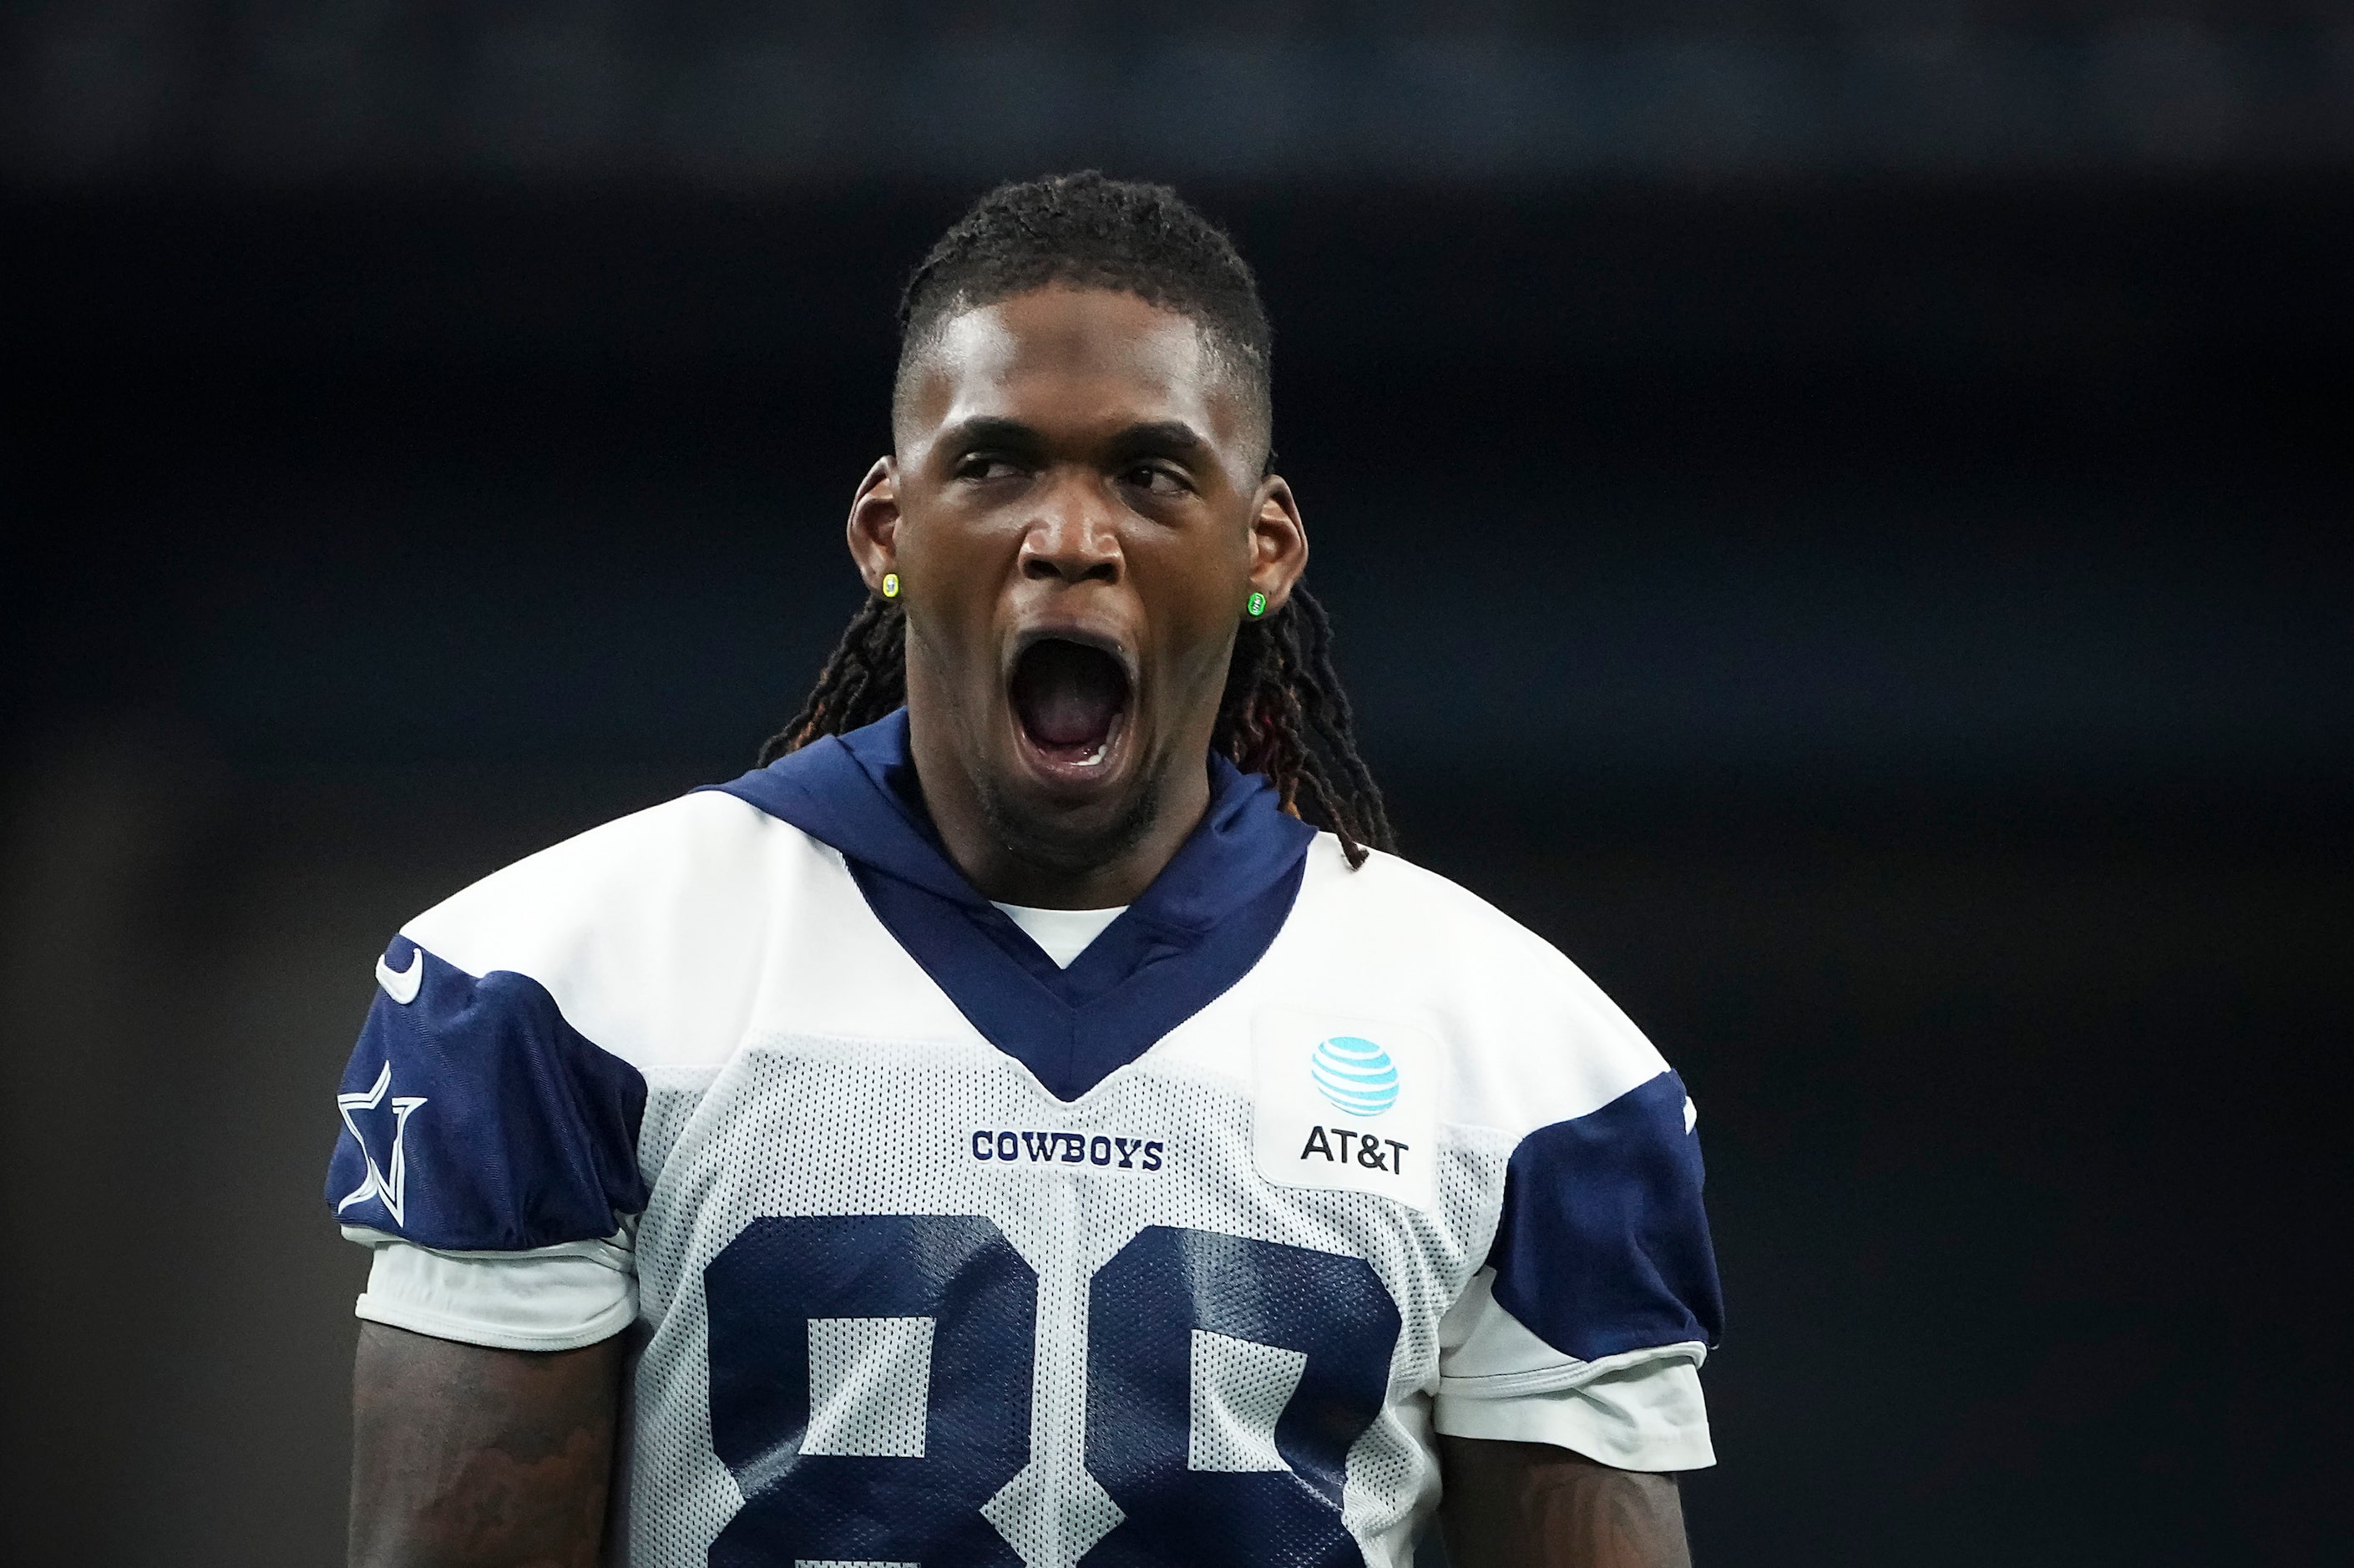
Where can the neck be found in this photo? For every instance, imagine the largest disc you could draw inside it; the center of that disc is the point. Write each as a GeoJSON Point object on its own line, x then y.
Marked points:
{"type": "Point", "coordinates": [1038, 863]}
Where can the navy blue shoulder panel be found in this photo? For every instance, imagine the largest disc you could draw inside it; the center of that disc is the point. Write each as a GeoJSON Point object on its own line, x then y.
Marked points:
{"type": "Point", "coordinates": [476, 1119]}
{"type": "Point", "coordinates": [1201, 926]}
{"type": "Point", "coordinates": [1603, 1246]}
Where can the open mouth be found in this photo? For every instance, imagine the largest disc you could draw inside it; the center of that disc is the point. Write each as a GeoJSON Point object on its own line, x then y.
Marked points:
{"type": "Point", "coordinates": [1070, 699]}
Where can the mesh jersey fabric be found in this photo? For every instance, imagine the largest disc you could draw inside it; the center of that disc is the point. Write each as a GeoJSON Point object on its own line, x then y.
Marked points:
{"type": "Point", "coordinates": [891, 1299]}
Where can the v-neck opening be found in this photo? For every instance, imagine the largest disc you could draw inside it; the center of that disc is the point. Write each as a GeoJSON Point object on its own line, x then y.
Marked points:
{"type": "Point", "coordinates": [1202, 925]}
{"type": "Point", "coordinates": [1058, 932]}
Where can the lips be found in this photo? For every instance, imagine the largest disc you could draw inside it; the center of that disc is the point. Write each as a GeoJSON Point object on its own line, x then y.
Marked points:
{"type": "Point", "coordinates": [1070, 699]}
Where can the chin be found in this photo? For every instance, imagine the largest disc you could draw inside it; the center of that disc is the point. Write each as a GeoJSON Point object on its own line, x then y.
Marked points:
{"type": "Point", "coordinates": [1069, 837]}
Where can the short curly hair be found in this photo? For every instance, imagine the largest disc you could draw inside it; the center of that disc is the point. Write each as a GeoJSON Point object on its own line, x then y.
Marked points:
{"type": "Point", "coordinates": [1092, 231]}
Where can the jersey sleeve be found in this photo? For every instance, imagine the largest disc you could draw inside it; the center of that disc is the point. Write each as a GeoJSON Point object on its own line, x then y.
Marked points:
{"type": "Point", "coordinates": [1599, 1299]}
{"type": "Point", "coordinates": [488, 1152]}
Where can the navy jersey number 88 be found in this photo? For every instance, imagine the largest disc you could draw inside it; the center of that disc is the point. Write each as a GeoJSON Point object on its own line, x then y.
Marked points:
{"type": "Point", "coordinates": [767, 1288]}
{"type": "Point", "coordinates": [1329, 1323]}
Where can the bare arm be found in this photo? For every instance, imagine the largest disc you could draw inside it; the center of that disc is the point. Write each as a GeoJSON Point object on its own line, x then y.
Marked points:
{"type": "Point", "coordinates": [1529, 1505]}
{"type": "Point", "coordinates": [469, 1458]}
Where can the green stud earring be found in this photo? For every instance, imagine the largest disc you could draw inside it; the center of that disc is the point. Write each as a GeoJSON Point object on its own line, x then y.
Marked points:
{"type": "Point", "coordinates": [890, 585]}
{"type": "Point", "coordinates": [1256, 604]}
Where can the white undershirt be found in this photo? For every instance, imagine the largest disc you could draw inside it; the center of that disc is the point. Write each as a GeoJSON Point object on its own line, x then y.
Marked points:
{"type": "Point", "coordinates": [1063, 933]}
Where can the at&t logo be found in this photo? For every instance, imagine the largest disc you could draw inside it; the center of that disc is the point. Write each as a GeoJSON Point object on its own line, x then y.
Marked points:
{"type": "Point", "coordinates": [1355, 1075]}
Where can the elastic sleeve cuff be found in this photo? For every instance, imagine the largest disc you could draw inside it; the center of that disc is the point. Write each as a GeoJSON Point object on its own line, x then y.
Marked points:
{"type": "Point", "coordinates": [1638, 1410]}
{"type": "Point", "coordinates": [558, 1299]}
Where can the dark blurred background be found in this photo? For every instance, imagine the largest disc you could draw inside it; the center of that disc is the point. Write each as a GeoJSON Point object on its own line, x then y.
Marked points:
{"type": "Point", "coordinates": [1837, 515]}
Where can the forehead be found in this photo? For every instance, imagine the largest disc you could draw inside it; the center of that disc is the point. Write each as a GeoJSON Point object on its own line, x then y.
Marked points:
{"type": "Point", "coordinates": [1067, 359]}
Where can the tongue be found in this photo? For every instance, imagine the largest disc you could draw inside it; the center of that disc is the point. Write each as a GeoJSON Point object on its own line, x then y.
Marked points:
{"type": "Point", "coordinates": [1067, 695]}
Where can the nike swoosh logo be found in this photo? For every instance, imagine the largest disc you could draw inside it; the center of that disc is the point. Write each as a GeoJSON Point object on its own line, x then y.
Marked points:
{"type": "Point", "coordinates": [402, 985]}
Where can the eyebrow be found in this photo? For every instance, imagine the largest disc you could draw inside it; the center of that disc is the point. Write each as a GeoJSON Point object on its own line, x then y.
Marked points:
{"type": "Point", "coordinates": [1171, 437]}
{"type": "Point", "coordinates": [990, 430]}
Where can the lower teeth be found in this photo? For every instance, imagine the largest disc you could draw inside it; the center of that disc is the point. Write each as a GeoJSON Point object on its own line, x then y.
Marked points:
{"type": "Point", "coordinates": [1095, 757]}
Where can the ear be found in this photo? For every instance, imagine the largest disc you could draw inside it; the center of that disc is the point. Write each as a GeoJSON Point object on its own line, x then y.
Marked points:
{"type": "Point", "coordinates": [873, 526]}
{"type": "Point", "coordinates": [1278, 542]}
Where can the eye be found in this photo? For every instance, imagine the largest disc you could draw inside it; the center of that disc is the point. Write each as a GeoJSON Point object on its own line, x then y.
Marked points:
{"type": "Point", "coordinates": [983, 467]}
{"type": "Point", "coordinates": [1156, 479]}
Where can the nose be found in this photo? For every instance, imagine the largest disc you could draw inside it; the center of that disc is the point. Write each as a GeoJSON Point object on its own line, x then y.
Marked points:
{"type": "Point", "coordinates": [1074, 536]}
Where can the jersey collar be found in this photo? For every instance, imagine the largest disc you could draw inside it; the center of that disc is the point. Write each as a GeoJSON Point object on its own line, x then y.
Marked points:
{"type": "Point", "coordinates": [1199, 928]}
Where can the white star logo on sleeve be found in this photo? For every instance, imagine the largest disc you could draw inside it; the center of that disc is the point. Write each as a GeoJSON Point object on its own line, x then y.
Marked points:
{"type": "Point", "coordinates": [390, 1190]}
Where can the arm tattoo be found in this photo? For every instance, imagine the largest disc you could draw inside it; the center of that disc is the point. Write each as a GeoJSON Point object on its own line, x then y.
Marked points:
{"type": "Point", "coordinates": [1529, 1505]}
{"type": "Point", "coordinates": [466, 1458]}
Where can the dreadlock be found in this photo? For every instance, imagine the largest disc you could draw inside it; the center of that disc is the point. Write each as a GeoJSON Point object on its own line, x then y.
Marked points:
{"type": "Point", "coordinates": [1283, 713]}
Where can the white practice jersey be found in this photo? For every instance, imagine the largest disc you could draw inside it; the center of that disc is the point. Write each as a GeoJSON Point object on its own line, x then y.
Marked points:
{"type": "Point", "coordinates": [932, 1250]}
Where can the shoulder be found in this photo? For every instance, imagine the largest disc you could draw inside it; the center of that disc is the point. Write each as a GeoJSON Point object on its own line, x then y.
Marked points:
{"type": "Point", "coordinates": [644, 927]}
{"type": "Point", "coordinates": [1532, 1040]}
{"type": "Point", "coordinates": [699, 845]}
{"type": "Point", "coordinates": [1601, 1246]}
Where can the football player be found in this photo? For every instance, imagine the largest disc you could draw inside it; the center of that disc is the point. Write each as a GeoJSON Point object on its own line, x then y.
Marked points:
{"type": "Point", "coordinates": [1033, 1119]}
